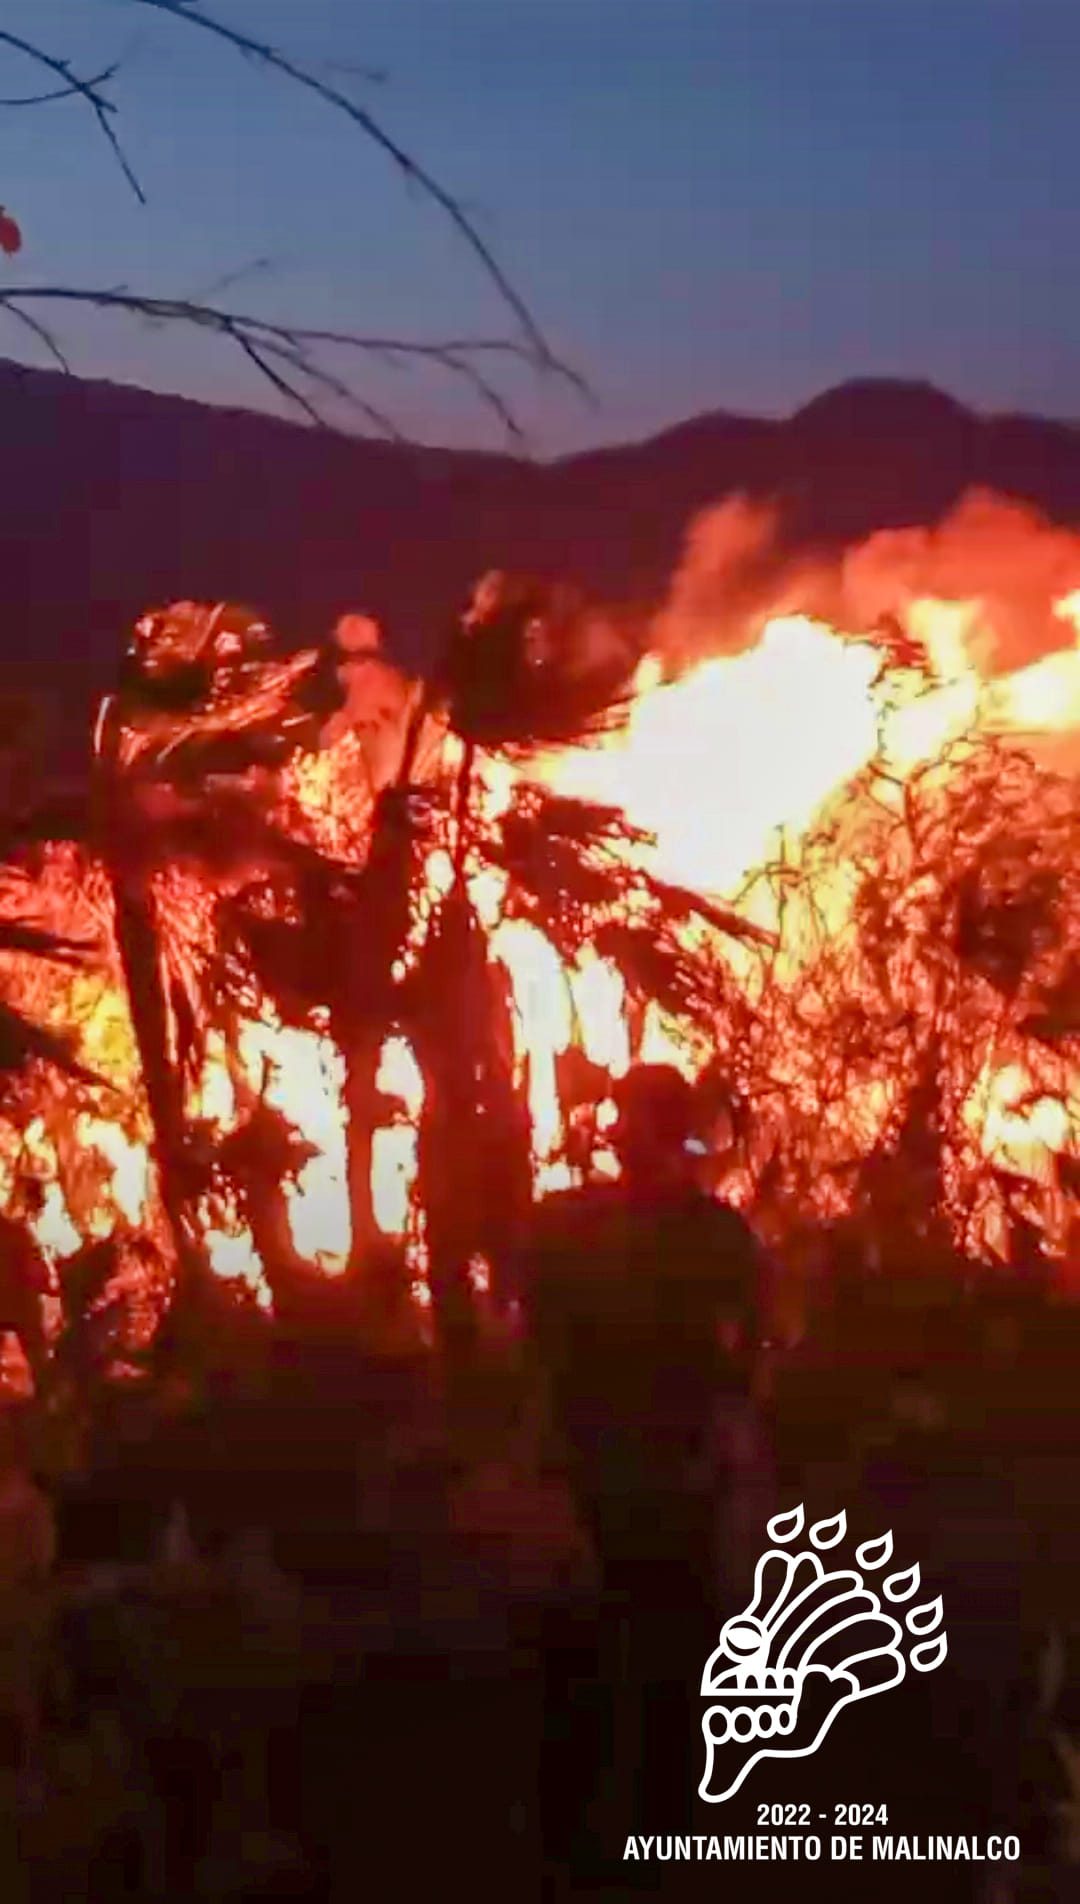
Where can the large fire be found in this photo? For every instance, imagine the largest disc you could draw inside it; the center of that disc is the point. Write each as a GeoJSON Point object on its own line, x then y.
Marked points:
{"type": "Point", "coordinates": [809, 778]}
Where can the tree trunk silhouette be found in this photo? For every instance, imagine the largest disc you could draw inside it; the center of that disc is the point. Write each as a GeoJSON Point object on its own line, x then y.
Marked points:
{"type": "Point", "coordinates": [141, 961]}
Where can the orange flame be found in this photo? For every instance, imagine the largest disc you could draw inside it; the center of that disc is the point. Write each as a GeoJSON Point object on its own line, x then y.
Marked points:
{"type": "Point", "coordinates": [728, 768]}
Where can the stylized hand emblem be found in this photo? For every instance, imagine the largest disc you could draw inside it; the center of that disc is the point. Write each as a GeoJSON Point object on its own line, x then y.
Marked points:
{"type": "Point", "coordinates": [810, 1643]}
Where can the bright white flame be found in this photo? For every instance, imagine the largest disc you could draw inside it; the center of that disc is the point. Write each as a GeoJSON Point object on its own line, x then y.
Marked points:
{"type": "Point", "coordinates": [393, 1174]}
{"type": "Point", "coordinates": [394, 1163]}
{"type": "Point", "coordinates": [53, 1228]}
{"type": "Point", "coordinates": [304, 1075]}
{"type": "Point", "coordinates": [399, 1075]}
{"type": "Point", "coordinates": [542, 1006]}
{"type": "Point", "coordinates": [598, 990]}
{"type": "Point", "coordinates": [693, 767]}
{"type": "Point", "coordinates": [56, 1234]}
{"type": "Point", "coordinates": [1019, 1128]}
{"type": "Point", "coordinates": [234, 1258]}
{"type": "Point", "coordinates": [130, 1186]}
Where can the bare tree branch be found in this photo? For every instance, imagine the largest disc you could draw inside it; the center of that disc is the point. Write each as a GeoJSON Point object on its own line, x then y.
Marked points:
{"type": "Point", "coordinates": [88, 89]}
{"type": "Point", "coordinates": [296, 357]}
{"type": "Point", "coordinates": [291, 358]}
{"type": "Point", "coordinates": [43, 335]}
{"type": "Point", "coordinates": [287, 355]}
{"type": "Point", "coordinates": [226, 282]}
{"type": "Point", "coordinates": [71, 90]}
{"type": "Point", "coordinates": [446, 349]}
{"type": "Point", "coordinates": [273, 377]}
{"type": "Point", "coordinates": [373, 75]}
{"type": "Point", "coordinates": [416, 174]}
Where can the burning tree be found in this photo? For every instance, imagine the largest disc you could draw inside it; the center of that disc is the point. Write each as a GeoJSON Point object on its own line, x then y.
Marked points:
{"type": "Point", "coordinates": [368, 954]}
{"type": "Point", "coordinates": [923, 1060]}
{"type": "Point", "coordinates": [66, 1117]}
{"type": "Point", "coordinates": [222, 910]}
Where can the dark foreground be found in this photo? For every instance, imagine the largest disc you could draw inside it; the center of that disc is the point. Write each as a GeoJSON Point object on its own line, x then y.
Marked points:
{"type": "Point", "coordinates": [381, 1666]}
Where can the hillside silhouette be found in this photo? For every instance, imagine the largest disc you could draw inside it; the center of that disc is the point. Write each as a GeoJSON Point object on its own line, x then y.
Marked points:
{"type": "Point", "coordinates": [115, 499]}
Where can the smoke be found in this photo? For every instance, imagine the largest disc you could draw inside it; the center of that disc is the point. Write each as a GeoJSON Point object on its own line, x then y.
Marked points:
{"type": "Point", "coordinates": [734, 575]}
{"type": "Point", "coordinates": [995, 555]}
{"type": "Point", "coordinates": [991, 551]}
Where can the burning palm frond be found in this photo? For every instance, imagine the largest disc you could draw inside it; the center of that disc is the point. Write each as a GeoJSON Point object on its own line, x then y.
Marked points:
{"type": "Point", "coordinates": [576, 865]}
{"type": "Point", "coordinates": [520, 670]}
{"type": "Point", "coordinates": [198, 678]}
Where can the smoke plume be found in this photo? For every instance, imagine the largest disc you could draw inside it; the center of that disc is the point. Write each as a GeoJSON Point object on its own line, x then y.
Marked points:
{"type": "Point", "coordinates": [991, 552]}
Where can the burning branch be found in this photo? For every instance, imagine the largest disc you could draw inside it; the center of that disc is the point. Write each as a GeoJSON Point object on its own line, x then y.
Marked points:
{"type": "Point", "coordinates": [574, 860]}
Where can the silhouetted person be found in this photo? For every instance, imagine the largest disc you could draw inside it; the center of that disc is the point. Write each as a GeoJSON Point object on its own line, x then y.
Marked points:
{"type": "Point", "coordinates": [641, 1295]}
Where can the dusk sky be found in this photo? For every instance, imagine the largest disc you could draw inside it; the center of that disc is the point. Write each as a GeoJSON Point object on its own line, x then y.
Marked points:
{"type": "Point", "coordinates": [708, 204]}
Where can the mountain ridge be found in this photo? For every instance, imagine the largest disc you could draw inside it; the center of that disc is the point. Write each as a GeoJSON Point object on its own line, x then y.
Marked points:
{"type": "Point", "coordinates": [114, 499]}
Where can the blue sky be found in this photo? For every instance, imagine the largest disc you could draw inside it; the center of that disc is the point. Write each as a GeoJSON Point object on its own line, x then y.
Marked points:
{"type": "Point", "coordinates": [709, 204]}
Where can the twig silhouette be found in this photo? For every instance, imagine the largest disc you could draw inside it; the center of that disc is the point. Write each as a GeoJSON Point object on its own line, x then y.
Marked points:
{"type": "Point", "coordinates": [72, 86]}
{"type": "Point", "coordinates": [287, 355]}
{"type": "Point", "coordinates": [264, 54]}
{"type": "Point", "coordinates": [291, 358]}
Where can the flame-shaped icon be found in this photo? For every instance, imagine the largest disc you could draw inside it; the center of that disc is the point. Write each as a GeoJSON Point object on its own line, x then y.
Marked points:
{"type": "Point", "coordinates": [807, 1626]}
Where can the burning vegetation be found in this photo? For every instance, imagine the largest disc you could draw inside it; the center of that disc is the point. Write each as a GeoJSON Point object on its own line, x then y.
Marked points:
{"type": "Point", "coordinates": [340, 974]}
